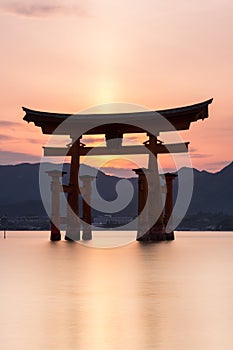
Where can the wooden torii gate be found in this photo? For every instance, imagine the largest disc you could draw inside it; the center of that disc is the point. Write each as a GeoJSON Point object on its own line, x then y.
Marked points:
{"type": "Point", "coordinates": [114, 126]}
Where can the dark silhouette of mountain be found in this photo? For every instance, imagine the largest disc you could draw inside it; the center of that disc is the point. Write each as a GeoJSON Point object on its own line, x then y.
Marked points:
{"type": "Point", "coordinates": [212, 192]}
{"type": "Point", "coordinates": [20, 194]}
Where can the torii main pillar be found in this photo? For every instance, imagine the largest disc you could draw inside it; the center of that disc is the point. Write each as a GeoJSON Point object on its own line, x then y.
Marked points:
{"type": "Point", "coordinates": [151, 225]}
{"type": "Point", "coordinates": [156, 231]}
{"type": "Point", "coordinates": [73, 222]}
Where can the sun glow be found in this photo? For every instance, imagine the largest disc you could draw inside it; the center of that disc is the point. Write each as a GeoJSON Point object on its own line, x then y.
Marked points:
{"type": "Point", "coordinates": [105, 91]}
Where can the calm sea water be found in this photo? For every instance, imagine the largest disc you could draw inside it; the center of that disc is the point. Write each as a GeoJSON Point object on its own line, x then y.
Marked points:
{"type": "Point", "coordinates": [171, 295]}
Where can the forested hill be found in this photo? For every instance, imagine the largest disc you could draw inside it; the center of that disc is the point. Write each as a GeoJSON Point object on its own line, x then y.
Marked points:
{"type": "Point", "coordinates": [20, 194]}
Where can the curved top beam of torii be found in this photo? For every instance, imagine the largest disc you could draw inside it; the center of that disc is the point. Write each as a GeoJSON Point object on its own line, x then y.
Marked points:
{"type": "Point", "coordinates": [180, 118]}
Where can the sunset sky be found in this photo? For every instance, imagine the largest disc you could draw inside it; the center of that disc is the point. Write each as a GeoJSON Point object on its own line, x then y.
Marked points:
{"type": "Point", "coordinates": [67, 56]}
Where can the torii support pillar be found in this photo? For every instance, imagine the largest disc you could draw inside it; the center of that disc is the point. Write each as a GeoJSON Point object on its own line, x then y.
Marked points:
{"type": "Point", "coordinates": [148, 230]}
{"type": "Point", "coordinates": [142, 204]}
{"type": "Point", "coordinates": [86, 200]}
{"type": "Point", "coordinates": [169, 206]}
{"type": "Point", "coordinates": [73, 222]}
{"type": "Point", "coordinates": [55, 175]}
{"type": "Point", "coordinates": [157, 229]}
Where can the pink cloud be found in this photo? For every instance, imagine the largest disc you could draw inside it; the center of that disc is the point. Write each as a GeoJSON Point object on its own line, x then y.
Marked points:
{"type": "Point", "coordinates": [40, 9]}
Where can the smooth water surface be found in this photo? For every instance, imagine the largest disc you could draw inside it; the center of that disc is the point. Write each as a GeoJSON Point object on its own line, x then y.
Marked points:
{"type": "Point", "coordinates": [169, 295]}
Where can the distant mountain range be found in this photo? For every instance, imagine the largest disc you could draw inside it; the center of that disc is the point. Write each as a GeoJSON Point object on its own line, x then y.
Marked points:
{"type": "Point", "coordinates": [20, 194]}
{"type": "Point", "coordinates": [212, 192]}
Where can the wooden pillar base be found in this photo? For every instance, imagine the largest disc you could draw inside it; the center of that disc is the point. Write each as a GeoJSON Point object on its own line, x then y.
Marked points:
{"type": "Point", "coordinates": [156, 234]}
{"type": "Point", "coordinates": [144, 238]}
{"type": "Point", "coordinates": [170, 236]}
{"type": "Point", "coordinates": [72, 239]}
{"type": "Point", "coordinates": [87, 235]}
{"type": "Point", "coordinates": [55, 237]}
{"type": "Point", "coordinates": [72, 235]}
{"type": "Point", "coordinates": [68, 239]}
{"type": "Point", "coordinates": [55, 233]}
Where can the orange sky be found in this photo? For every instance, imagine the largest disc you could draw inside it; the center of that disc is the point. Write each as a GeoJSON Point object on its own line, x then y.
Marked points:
{"type": "Point", "coordinates": [67, 56]}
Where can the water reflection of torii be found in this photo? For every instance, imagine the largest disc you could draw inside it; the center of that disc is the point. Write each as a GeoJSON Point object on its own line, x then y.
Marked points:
{"type": "Point", "coordinates": [114, 126]}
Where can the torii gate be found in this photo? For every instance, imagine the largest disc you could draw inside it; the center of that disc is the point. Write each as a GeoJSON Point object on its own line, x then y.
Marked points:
{"type": "Point", "coordinates": [114, 126]}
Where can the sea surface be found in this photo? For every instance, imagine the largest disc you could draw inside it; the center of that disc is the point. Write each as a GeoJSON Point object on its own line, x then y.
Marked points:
{"type": "Point", "coordinates": [168, 295]}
